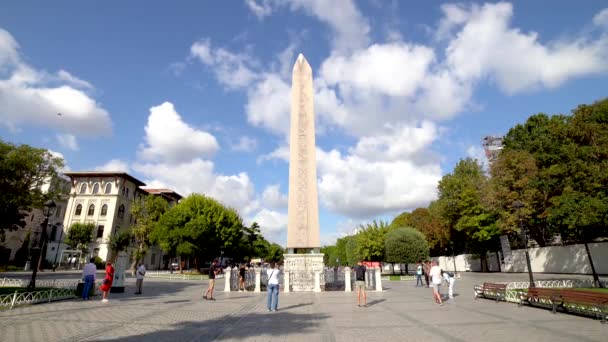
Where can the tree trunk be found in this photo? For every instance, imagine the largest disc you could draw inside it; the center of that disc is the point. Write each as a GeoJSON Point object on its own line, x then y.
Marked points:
{"type": "Point", "coordinates": [596, 279]}
{"type": "Point", "coordinates": [497, 261]}
{"type": "Point", "coordinates": [406, 270]}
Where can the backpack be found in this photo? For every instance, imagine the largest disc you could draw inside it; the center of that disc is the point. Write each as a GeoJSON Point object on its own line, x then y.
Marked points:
{"type": "Point", "coordinates": [451, 275]}
{"type": "Point", "coordinates": [360, 273]}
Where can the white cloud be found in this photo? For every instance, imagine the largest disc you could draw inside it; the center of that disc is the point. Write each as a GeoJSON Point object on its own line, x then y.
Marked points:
{"type": "Point", "coordinates": [487, 47]}
{"type": "Point", "coordinates": [356, 187]}
{"type": "Point", "coordinates": [245, 144]}
{"type": "Point", "coordinates": [394, 69]}
{"type": "Point", "coordinates": [273, 225]}
{"type": "Point", "coordinates": [273, 198]}
{"type": "Point", "coordinates": [68, 141]}
{"type": "Point", "coordinates": [280, 153]}
{"type": "Point", "coordinates": [32, 97]}
{"type": "Point", "coordinates": [114, 165]}
{"type": "Point", "coordinates": [169, 138]}
{"type": "Point", "coordinates": [234, 70]}
{"type": "Point", "coordinates": [75, 81]}
{"type": "Point", "coordinates": [601, 18]}
{"type": "Point", "coordinates": [477, 153]}
{"type": "Point", "coordinates": [268, 104]}
{"type": "Point", "coordinates": [261, 9]}
{"type": "Point", "coordinates": [56, 154]}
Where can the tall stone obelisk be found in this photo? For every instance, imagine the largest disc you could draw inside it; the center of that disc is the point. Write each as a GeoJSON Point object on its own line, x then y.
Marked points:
{"type": "Point", "coordinates": [303, 263]}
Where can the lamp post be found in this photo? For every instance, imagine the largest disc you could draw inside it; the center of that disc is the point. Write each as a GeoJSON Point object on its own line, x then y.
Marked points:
{"type": "Point", "coordinates": [47, 211]}
{"type": "Point", "coordinates": [518, 205]}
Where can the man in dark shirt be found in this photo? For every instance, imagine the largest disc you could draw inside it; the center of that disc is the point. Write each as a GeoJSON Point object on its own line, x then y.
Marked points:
{"type": "Point", "coordinates": [242, 278]}
{"type": "Point", "coordinates": [360, 283]}
{"type": "Point", "coordinates": [212, 272]}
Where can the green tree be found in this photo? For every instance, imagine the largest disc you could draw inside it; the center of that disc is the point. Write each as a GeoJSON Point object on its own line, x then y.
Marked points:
{"type": "Point", "coordinates": [146, 216]}
{"type": "Point", "coordinates": [428, 221]}
{"type": "Point", "coordinates": [370, 241]}
{"type": "Point", "coordinates": [199, 226]}
{"type": "Point", "coordinates": [329, 255]}
{"type": "Point", "coordinates": [119, 242]}
{"type": "Point", "coordinates": [24, 170]}
{"type": "Point", "coordinates": [401, 220]}
{"type": "Point", "coordinates": [80, 235]}
{"type": "Point", "coordinates": [461, 206]}
{"type": "Point", "coordinates": [351, 250]}
{"type": "Point", "coordinates": [274, 253]}
{"type": "Point", "coordinates": [406, 245]}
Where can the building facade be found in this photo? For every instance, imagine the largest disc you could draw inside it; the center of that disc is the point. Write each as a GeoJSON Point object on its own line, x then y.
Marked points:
{"type": "Point", "coordinates": [105, 199]}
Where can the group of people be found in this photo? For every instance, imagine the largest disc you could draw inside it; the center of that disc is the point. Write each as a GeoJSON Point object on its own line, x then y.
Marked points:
{"type": "Point", "coordinates": [89, 274]}
{"type": "Point", "coordinates": [431, 271]}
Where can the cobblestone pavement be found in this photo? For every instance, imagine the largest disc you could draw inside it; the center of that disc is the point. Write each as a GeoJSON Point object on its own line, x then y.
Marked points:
{"type": "Point", "coordinates": [174, 311]}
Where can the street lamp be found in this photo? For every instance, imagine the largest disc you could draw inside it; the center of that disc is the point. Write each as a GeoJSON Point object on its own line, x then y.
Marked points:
{"type": "Point", "coordinates": [518, 205]}
{"type": "Point", "coordinates": [47, 211]}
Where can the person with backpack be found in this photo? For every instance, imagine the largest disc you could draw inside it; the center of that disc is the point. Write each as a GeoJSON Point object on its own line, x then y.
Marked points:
{"type": "Point", "coordinates": [449, 279]}
{"type": "Point", "coordinates": [360, 283]}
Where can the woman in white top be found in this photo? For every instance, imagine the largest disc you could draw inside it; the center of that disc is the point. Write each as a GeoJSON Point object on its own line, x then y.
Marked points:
{"type": "Point", "coordinates": [435, 274]}
{"type": "Point", "coordinates": [273, 287]}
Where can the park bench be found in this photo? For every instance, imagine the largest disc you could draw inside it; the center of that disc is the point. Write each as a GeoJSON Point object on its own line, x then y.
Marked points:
{"type": "Point", "coordinates": [586, 302]}
{"type": "Point", "coordinates": [539, 296]}
{"type": "Point", "coordinates": [491, 291]}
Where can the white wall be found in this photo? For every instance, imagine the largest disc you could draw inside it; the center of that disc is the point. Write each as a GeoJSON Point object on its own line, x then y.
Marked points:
{"type": "Point", "coordinates": [562, 259]}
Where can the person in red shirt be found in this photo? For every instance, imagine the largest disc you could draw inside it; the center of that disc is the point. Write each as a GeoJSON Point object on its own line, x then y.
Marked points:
{"type": "Point", "coordinates": [107, 282]}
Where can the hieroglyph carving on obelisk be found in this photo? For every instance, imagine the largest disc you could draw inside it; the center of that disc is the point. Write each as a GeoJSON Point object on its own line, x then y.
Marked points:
{"type": "Point", "coordinates": [303, 208]}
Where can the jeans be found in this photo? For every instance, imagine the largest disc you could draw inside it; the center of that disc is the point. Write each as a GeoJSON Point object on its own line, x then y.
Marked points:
{"type": "Point", "coordinates": [418, 280]}
{"type": "Point", "coordinates": [88, 283]}
{"type": "Point", "coordinates": [451, 288]}
{"type": "Point", "coordinates": [138, 284]}
{"type": "Point", "coordinates": [273, 296]}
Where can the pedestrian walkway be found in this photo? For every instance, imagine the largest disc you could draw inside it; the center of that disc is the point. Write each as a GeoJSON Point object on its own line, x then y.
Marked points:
{"type": "Point", "coordinates": [174, 311]}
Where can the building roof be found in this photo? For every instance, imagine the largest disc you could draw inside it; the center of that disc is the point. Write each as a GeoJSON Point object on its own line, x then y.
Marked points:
{"type": "Point", "coordinates": [163, 192]}
{"type": "Point", "coordinates": [105, 174]}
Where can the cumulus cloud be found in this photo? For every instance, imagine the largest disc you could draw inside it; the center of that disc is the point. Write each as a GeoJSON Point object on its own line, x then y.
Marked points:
{"type": "Point", "coordinates": [34, 97]}
{"type": "Point", "coordinates": [114, 165]}
{"type": "Point", "coordinates": [601, 19]}
{"type": "Point", "coordinates": [261, 9]}
{"type": "Point", "coordinates": [68, 141]}
{"type": "Point", "coordinates": [169, 138]}
{"type": "Point", "coordinates": [273, 225]}
{"type": "Point", "coordinates": [232, 69]}
{"type": "Point", "coordinates": [273, 198]}
{"type": "Point", "coordinates": [245, 144]}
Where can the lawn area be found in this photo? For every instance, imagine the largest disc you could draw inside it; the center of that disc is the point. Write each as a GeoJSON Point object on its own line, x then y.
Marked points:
{"type": "Point", "coordinates": [594, 289]}
{"type": "Point", "coordinates": [11, 290]}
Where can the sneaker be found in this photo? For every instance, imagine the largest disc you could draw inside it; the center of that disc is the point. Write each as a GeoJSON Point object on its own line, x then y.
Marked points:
{"type": "Point", "coordinates": [275, 310]}
{"type": "Point", "coordinates": [268, 310]}
{"type": "Point", "coordinates": [105, 300]}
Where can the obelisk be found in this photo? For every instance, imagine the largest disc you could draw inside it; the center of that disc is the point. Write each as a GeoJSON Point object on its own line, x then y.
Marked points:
{"type": "Point", "coordinates": [303, 262]}
{"type": "Point", "coordinates": [303, 208]}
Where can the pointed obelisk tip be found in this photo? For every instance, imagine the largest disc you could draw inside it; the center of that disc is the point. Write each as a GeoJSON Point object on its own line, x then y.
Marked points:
{"type": "Point", "coordinates": [301, 63]}
{"type": "Point", "coordinates": [301, 58]}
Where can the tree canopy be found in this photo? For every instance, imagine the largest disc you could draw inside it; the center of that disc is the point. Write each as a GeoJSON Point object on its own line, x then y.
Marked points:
{"type": "Point", "coordinates": [80, 235]}
{"type": "Point", "coordinates": [24, 170]}
{"type": "Point", "coordinates": [199, 226]}
{"type": "Point", "coordinates": [406, 245]}
{"type": "Point", "coordinates": [146, 215]}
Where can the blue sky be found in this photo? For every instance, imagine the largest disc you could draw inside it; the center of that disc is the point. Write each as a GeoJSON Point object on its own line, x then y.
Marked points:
{"type": "Point", "coordinates": [195, 96]}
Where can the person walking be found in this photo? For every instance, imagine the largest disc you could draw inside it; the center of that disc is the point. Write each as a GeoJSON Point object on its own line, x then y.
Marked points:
{"type": "Point", "coordinates": [419, 274]}
{"type": "Point", "coordinates": [449, 278]}
{"type": "Point", "coordinates": [107, 282]}
{"type": "Point", "coordinates": [213, 269]}
{"type": "Point", "coordinates": [273, 287]}
{"type": "Point", "coordinates": [436, 279]}
{"type": "Point", "coordinates": [139, 275]}
{"type": "Point", "coordinates": [88, 275]}
{"type": "Point", "coordinates": [360, 283]}
{"type": "Point", "coordinates": [426, 267]}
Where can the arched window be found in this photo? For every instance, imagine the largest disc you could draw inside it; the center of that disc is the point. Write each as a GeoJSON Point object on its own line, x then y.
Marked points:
{"type": "Point", "coordinates": [91, 210]}
{"type": "Point", "coordinates": [127, 193]}
{"type": "Point", "coordinates": [78, 210]}
{"type": "Point", "coordinates": [108, 188]}
{"type": "Point", "coordinates": [104, 210]}
{"type": "Point", "coordinates": [121, 211]}
{"type": "Point", "coordinates": [95, 188]}
{"type": "Point", "coordinates": [123, 190]}
{"type": "Point", "coordinates": [83, 188]}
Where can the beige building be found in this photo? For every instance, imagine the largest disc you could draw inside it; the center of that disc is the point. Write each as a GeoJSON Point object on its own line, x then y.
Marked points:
{"type": "Point", "coordinates": [105, 199]}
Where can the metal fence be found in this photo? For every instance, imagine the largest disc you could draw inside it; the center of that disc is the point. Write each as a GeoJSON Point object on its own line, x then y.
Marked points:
{"type": "Point", "coordinates": [335, 279]}
{"type": "Point", "coordinates": [59, 290]}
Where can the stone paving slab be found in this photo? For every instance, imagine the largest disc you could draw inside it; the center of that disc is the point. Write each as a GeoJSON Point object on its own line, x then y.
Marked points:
{"type": "Point", "coordinates": [173, 311]}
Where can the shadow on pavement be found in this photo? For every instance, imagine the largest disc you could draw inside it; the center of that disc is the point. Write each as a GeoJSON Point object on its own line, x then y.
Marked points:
{"type": "Point", "coordinates": [374, 302]}
{"type": "Point", "coordinates": [294, 306]}
{"type": "Point", "coordinates": [264, 326]}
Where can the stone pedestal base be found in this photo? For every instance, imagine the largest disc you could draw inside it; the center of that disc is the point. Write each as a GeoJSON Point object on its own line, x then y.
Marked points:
{"type": "Point", "coordinates": [305, 272]}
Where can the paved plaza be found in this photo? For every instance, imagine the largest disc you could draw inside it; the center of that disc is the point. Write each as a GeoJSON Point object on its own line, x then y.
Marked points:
{"type": "Point", "coordinates": [173, 311]}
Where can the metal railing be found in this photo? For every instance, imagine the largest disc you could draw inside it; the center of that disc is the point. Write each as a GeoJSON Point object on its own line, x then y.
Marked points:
{"type": "Point", "coordinates": [59, 290]}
